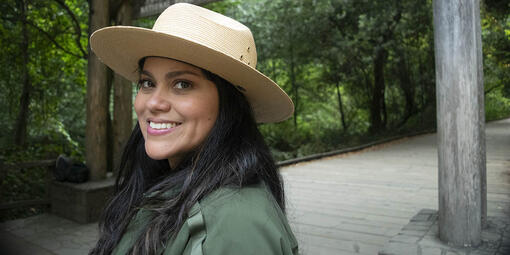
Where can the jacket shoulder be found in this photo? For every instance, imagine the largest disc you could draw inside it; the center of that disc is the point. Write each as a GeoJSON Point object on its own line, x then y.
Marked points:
{"type": "Point", "coordinates": [234, 200]}
{"type": "Point", "coordinates": [245, 220]}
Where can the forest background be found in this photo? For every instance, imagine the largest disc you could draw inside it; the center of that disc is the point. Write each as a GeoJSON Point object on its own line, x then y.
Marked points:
{"type": "Point", "coordinates": [356, 70]}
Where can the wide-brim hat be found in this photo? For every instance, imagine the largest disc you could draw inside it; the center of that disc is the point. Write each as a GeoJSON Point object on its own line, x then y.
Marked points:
{"type": "Point", "coordinates": [202, 38]}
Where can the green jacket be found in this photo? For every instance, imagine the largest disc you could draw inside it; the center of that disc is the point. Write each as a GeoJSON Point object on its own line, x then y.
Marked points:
{"type": "Point", "coordinates": [228, 221]}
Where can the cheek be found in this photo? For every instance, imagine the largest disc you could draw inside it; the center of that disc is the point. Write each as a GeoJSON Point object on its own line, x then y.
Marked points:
{"type": "Point", "coordinates": [139, 108]}
{"type": "Point", "coordinates": [215, 107]}
{"type": "Point", "coordinates": [212, 103]}
{"type": "Point", "coordinates": [138, 104]}
{"type": "Point", "coordinates": [213, 114]}
{"type": "Point", "coordinates": [209, 108]}
{"type": "Point", "coordinates": [198, 110]}
{"type": "Point", "coordinates": [203, 113]}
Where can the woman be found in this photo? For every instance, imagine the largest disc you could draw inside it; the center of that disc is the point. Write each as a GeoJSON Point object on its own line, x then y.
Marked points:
{"type": "Point", "coordinates": [196, 176]}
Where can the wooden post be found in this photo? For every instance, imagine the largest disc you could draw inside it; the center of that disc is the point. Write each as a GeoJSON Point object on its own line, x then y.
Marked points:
{"type": "Point", "coordinates": [149, 8]}
{"type": "Point", "coordinates": [460, 120]}
{"type": "Point", "coordinates": [122, 98]}
{"type": "Point", "coordinates": [97, 101]}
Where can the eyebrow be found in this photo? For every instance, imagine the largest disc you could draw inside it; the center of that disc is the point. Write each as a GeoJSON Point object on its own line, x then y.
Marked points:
{"type": "Point", "coordinates": [171, 75]}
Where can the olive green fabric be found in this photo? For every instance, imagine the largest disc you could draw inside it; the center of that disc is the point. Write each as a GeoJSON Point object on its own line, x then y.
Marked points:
{"type": "Point", "coordinates": [228, 221]}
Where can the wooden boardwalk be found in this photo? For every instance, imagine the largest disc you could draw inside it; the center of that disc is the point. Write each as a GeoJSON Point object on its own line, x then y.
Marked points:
{"type": "Point", "coordinates": [354, 203]}
{"type": "Point", "coordinates": [348, 204]}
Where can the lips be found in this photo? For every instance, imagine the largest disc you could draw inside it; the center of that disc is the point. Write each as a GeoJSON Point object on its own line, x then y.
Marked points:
{"type": "Point", "coordinates": [168, 125]}
{"type": "Point", "coordinates": [160, 127]}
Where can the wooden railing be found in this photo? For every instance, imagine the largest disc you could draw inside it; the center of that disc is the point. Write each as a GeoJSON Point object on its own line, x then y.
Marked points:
{"type": "Point", "coordinates": [49, 164]}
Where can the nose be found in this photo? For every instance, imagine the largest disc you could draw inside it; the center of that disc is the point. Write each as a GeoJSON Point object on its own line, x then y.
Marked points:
{"type": "Point", "coordinates": [158, 102]}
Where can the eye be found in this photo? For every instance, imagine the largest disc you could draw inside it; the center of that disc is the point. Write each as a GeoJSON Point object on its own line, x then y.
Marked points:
{"type": "Point", "coordinates": [182, 85]}
{"type": "Point", "coordinates": [144, 84]}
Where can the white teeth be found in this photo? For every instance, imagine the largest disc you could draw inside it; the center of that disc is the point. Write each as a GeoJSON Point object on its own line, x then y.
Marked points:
{"type": "Point", "coordinates": [162, 125]}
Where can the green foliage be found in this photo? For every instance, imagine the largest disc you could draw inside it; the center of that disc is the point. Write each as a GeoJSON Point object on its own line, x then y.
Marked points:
{"type": "Point", "coordinates": [311, 47]}
{"type": "Point", "coordinates": [25, 184]}
{"type": "Point", "coordinates": [496, 106]}
{"type": "Point", "coordinates": [314, 49]}
{"type": "Point", "coordinates": [22, 184]}
{"type": "Point", "coordinates": [496, 46]}
{"type": "Point", "coordinates": [57, 73]}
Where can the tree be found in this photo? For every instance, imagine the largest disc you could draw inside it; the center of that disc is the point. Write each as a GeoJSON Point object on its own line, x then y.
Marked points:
{"type": "Point", "coordinates": [21, 122]}
{"type": "Point", "coordinates": [326, 54]}
{"type": "Point", "coordinates": [284, 38]}
{"type": "Point", "coordinates": [35, 29]}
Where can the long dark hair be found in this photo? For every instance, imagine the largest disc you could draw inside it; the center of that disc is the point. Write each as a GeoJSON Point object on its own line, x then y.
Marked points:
{"type": "Point", "coordinates": [234, 155]}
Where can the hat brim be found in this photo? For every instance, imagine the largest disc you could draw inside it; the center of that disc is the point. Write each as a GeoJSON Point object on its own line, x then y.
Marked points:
{"type": "Point", "coordinates": [121, 47]}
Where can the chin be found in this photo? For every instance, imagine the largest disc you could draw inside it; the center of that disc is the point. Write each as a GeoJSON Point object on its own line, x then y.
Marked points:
{"type": "Point", "coordinates": [155, 154]}
{"type": "Point", "coordinates": [156, 157]}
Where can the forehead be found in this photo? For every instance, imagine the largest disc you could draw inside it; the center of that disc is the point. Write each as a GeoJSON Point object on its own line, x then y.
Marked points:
{"type": "Point", "coordinates": [168, 64]}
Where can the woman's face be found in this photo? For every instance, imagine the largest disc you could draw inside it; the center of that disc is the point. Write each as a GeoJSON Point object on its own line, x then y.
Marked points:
{"type": "Point", "coordinates": [176, 107]}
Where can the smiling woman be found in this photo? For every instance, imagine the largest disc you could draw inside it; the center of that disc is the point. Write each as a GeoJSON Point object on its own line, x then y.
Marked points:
{"type": "Point", "coordinates": [196, 176]}
{"type": "Point", "coordinates": [176, 108]}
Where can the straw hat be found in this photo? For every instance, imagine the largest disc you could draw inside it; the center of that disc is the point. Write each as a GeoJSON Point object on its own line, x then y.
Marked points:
{"type": "Point", "coordinates": [200, 37]}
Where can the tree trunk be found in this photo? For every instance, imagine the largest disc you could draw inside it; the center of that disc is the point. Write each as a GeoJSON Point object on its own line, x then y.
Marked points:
{"type": "Point", "coordinates": [293, 83]}
{"type": "Point", "coordinates": [122, 98]}
{"type": "Point", "coordinates": [376, 123]}
{"type": "Point", "coordinates": [378, 105]}
{"type": "Point", "coordinates": [97, 101]}
{"type": "Point", "coordinates": [461, 122]}
{"type": "Point", "coordinates": [20, 135]}
{"type": "Point", "coordinates": [407, 87]}
{"type": "Point", "coordinates": [383, 108]}
{"type": "Point", "coordinates": [423, 87]}
{"type": "Point", "coordinates": [340, 106]}
{"type": "Point", "coordinates": [368, 84]}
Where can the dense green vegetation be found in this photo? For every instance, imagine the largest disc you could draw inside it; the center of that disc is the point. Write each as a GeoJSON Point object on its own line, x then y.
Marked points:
{"type": "Point", "coordinates": [360, 69]}
{"type": "Point", "coordinates": [356, 70]}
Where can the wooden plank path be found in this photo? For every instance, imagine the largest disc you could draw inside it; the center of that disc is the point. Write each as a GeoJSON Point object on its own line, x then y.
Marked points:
{"type": "Point", "coordinates": [354, 203]}
{"type": "Point", "coordinates": [348, 204]}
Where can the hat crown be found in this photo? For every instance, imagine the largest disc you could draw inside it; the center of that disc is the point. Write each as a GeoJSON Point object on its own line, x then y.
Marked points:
{"type": "Point", "coordinates": [209, 29]}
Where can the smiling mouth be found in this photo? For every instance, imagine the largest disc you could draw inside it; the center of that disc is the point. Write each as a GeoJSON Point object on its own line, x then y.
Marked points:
{"type": "Point", "coordinates": [162, 126]}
